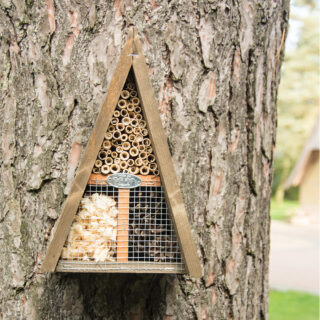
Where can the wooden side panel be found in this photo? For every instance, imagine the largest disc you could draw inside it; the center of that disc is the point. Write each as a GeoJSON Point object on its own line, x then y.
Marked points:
{"type": "Point", "coordinates": [72, 202]}
{"type": "Point", "coordinates": [123, 225]}
{"type": "Point", "coordinates": [167, 173]}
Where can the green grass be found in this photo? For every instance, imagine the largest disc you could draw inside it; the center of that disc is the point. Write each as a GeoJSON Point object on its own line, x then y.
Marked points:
{"type": "Point", "coordinates": [283, 211]}
{"type": "Point", "coordinates": [292, 305]}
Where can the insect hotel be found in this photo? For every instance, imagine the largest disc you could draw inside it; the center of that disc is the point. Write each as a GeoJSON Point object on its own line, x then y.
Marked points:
{"type": "Point", "coordinates": [125, 212]}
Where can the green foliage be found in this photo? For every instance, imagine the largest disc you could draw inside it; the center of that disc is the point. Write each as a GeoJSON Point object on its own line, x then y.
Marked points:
{"type": "Point", "coordinates": [291, 305]}
{"type": "Point", "coordinates": [298, 98]}
{"type": "Point", "coordinates": [283, 210]}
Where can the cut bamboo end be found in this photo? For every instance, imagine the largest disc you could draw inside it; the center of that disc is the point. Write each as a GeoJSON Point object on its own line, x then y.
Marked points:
{"type": "Point", "coordinates": [105, 169]}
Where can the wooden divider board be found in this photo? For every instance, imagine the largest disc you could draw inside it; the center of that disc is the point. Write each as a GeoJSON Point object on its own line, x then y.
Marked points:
{"type": "Point", "coordinates": [123, 225]}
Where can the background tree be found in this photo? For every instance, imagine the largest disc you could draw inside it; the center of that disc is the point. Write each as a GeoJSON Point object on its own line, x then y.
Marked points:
{"type": "Point", "coordinates": [298, 92]}
{"type": "Point", "coordinates": [214, 66]}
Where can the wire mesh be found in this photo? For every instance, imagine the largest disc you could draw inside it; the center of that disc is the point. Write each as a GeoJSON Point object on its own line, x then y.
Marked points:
{"type": "Point", "coordinates": [142, 239]}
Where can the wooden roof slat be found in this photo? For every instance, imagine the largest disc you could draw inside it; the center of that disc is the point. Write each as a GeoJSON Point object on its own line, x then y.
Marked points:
{"type": "Point", "coordinates": [162, 152]}
{"type": "Point", "coordinates": [70, 207]}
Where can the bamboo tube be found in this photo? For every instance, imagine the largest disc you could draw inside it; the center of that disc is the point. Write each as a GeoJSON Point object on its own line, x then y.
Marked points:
{"type": "Point", "coordinates": [107, 145]}
{"type": "Point", "coordinates": [144, 132]}
{"type": "Point", "coordinates": [98, 163]}
{"type": "Point", "coordinates": [126, 121]}
{"type": "Point", "coordinates": [102, 155]}
{"type": "Point", "coordinates": [135, 101]}
{"type": "Point", "coordinates": [124, 113]}
{"type": "Point", "coordinates": [151, 158]}
{"type": "Point", "coordinates": [117, 135]}
{"type": "Point", "coordinates": [135, 144]}
{"type": "Point", "coordinates": [116, 143]}
{"type": "Point", "coordinates": [115, 168]}
{"type": "Point", "coordinates": [125, 94]}
{"type": "Point", "coordinates": [139, 116]}
{"type": "Point", "coordinates": [126, 145]}
{"type": "Point", "coordinates": [131, 86]}
{"type": "Point", "coordinates": [116, 114]}
{"type": "Point", "coordinates": [119, 149]}
{"type": "Point", "coordinates": [137, 130]}
{"type": "Point", "coordinates": [117, 161]}
{"type": "Point", "coordinates": [134, 152]}
{"type": "Point", "coordinates": [137, 109]}
{"type": "Point", "coordinates": [108, 161]}
{"type": "Point", "coordinates": [124, 155]}
{"type": "Point", "coordinates": [120, 126]}
{"type": "Point", "coordinates": [142, 123]}
{"type": "Point", "coordinates": [124, 137]}
{"type": "Point", "coordinates": [143, 155]}
{"type": "Point", "coordinates": [133, 170]}
{"type": "Point", "coordinates": [144, 170]}
{"type": "Point", "coordinates": [153, 166]}
{"type": "Point", "coordinates": [138, 162]}
{"type": "Point", "coordinates": [134, 122]}
{"type": "Point", "coordinates": [105, 169]}
{"type": "Point", "coordinates": [123, 164]}
{"type": "Point", "coordinates": [133, 93]}
{"type": "Point", "coordinates": [130, 107]}
{"type": "Point", "coordinates": [108, 135]}
{"type": "Point", "coordinates": [130, 162]}
{"type": "Point", "coordinates": [96, 170]}
{"type": "Point", "coordinates": [142, 147]}
{"type": "Point", "coordinates": [114, 154]}
{"type": "Point", "coordinates": [149, 149]}
{"type": "Point", "coordinates": [108, 152]}
{"type": "Point", "coordinates": [122, 104]}
{"type": "Point", "coordinates": [131, 115]}
{"type": "Point", "coordinates": [111, 128]}
{"type": "Point", "coordinates": [128, 129]}
{"type": "Point", "coordinates": [114, 121]}
{"type": "Point", "coordinates": [147, 142]}
{"type": "Point", "coordinates": [139, 138]}
{"type": "Point", "coordinates": [156, 172]}
{"type": "Point", "coordinates": [132, 137]}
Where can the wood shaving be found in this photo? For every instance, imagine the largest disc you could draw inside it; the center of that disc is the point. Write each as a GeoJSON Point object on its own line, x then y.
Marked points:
{"type": "Point", "coordinates": [93, 233]}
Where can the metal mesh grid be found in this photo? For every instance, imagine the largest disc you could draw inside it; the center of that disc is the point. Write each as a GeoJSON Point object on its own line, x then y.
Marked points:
{"type": "Point", "coordinates": [145, 237]}
{"type": "Point", "coordinates": [152, 237]}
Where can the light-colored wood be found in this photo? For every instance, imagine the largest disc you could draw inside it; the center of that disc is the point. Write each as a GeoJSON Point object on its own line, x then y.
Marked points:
{"type": "Point", "coordinates": [63, 225]}
{"type": "Point", "coordinates": [132, 267]}
{"type": "Point", "coordinates": [123, 225]}
{"type": "Point", "coordinates": [167, 173]}
{"type": "Point", "coordinates": [100, 179]}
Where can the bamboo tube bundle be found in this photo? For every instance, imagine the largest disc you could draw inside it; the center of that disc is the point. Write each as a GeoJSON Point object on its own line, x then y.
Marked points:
{"type": "Point", "coordinates": [126, 145]}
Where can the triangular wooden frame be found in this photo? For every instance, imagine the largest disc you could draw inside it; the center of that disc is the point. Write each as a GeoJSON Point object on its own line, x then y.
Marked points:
{"type": "Point", "coordinates": [131, 57]}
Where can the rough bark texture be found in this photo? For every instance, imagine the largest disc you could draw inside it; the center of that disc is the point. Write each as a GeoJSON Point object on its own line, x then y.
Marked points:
{"type": "Point", "coordinates": [215, 67]}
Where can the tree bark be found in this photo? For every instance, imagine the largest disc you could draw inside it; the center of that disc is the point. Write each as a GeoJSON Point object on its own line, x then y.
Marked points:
{"type": "Point", "coordinates": [215, 69]}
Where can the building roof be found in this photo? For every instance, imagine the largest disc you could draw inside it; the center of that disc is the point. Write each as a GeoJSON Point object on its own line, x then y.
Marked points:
{"type": "Point", "coordinates": [311, 145]}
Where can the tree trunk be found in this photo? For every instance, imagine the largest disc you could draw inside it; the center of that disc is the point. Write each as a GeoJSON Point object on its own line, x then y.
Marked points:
{"type": "Point", "coordinates": [214, 66]}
